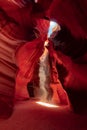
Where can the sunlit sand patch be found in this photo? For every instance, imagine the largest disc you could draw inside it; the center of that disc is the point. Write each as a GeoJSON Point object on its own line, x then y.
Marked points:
{"type": "Point", "coordinates": [47, 104]}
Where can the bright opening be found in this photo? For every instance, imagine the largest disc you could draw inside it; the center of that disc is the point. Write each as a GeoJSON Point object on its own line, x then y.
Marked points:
{"type": "Point", "coordinates": [36, 1]}
{"type": "Point", "coordinates": [54, 27]}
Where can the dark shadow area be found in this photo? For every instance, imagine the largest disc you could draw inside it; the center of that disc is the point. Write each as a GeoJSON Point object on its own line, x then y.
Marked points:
{"type": "Point", "coordinates": [6, 109]}
{"type": "Point", "coordinates": [62, 72]}
{"type": "Point", "coordinates": [78, 99]}
{"type": "Point", "coordinates": [30, 88]}
{"type": "Point", "coordinates": [68, 44]}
